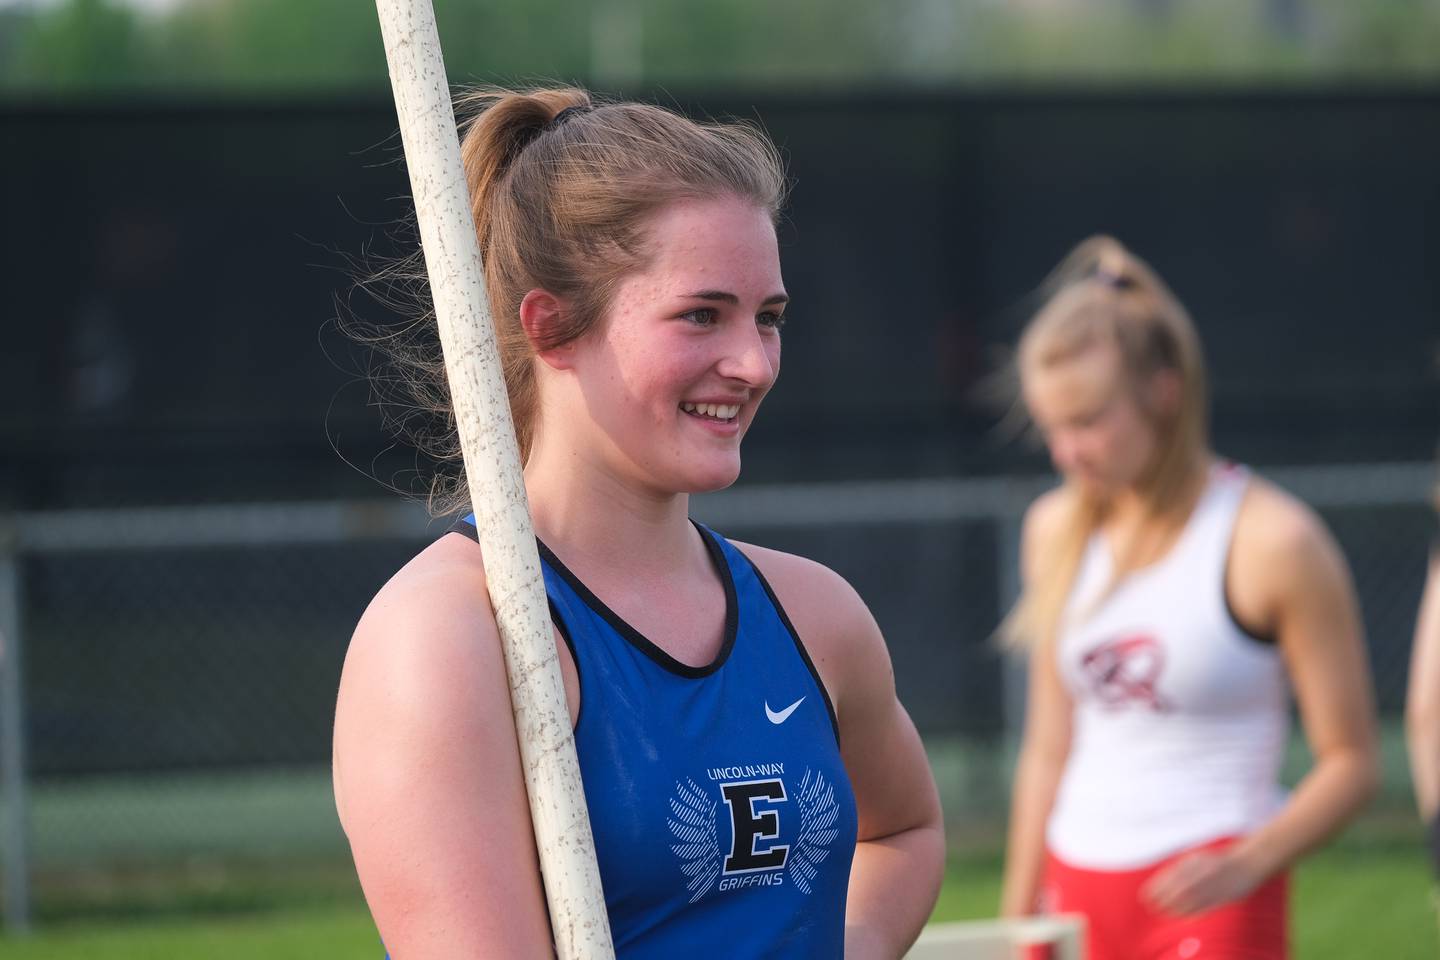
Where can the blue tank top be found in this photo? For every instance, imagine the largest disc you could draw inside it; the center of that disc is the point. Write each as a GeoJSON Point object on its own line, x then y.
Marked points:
{"type": "Point", "coordinates": [724, 820]}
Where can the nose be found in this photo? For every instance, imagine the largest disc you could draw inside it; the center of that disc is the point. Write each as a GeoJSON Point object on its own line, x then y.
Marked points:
{"type": "Point", "coordinates": [751, 356]}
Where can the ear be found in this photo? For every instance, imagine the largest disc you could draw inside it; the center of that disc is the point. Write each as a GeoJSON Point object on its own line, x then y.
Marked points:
{"type": "Point", "coordinates": [541, 314]}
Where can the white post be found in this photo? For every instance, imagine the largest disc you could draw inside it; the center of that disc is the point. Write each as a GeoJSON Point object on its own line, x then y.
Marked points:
{"type": "Point", "coordinates": [1059, 937]}
{"type": "Point", "coordinates": [497, 487]}
{"type": "Point", "coordinates": [12, 744]}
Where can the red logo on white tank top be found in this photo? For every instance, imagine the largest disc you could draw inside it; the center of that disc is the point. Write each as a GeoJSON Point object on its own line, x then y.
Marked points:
{"type": "Point", "coordinates": [1126, 671]}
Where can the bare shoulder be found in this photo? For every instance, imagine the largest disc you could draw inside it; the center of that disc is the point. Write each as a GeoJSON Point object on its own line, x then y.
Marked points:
{"type": "Point", "coordinates": [437, 600]}
{"type": "Point", "coordinates": [419, 658]}
{"type": "Point", "coordinates": [1282, 557]}
{"type": "Point", "coordinates": [828, 614]}
{"type": "Point", "coordinates": [1043, 520]}
{"type": "Point", "coordinates": [1044, 514]}
{"type": "Point", "coordinates": [452, 569]}
{"type": "Point", "coordinates": [1275, 525]}
{"type": "Point", "coordinates": [808, 590]}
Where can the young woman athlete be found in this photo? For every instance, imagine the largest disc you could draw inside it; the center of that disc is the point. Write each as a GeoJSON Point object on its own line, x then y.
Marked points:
{"type": "Point", "coordinates": [754, 787]}
{"type": "Point", "coordinates": [1171, 604]}
{"type": "Point", "coordinates": [1422, 705]}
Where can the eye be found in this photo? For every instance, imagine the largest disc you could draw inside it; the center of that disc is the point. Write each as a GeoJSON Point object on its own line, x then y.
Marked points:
{"type": "Point", "coordinates": [771, 319]}
{"type": "Point", "coordinates": [703, 317]}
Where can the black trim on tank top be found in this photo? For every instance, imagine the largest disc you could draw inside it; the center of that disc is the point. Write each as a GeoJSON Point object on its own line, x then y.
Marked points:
{"type": "Point", "coordinates": [467, 529]}
{"type": "Point", "coordinates": [559, 622]}
{"type": "Point", "coordinates": [638, 640]}
{"type": "Point", "coordinates": [1265, 640]}
{"type": "Point", "coordinates": [799, 645]}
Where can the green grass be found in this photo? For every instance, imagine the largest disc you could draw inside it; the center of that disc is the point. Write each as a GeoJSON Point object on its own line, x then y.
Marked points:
{"type": "Point", "coordinates": [1369, 895]}
{"type": "Point", "coordinates": [220, 866]}
{"type": "Point", "coordinates": [339, 931]}
{"type": "Point", "coordinates": [1366, 896]}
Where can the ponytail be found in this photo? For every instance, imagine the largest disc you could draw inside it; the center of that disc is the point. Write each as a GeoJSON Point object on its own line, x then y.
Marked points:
{"type": "Point", "coordinates": [501, 125]}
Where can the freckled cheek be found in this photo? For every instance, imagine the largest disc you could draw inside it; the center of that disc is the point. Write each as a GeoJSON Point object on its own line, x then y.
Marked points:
{"type": "Point", "coordinates": [668, 385]}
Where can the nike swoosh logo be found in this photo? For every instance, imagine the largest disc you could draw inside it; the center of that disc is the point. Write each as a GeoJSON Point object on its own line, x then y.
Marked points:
{"type": "Point", "coordinates": [783, 715]}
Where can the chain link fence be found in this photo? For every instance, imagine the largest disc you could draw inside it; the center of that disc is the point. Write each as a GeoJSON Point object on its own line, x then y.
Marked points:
{"type": "Point", "coordinates": [178, 667]}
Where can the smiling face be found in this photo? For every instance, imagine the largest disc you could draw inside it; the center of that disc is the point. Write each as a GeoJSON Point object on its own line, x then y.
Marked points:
{"type": "Point", "coordinates": [670, 380]}
{"type": "Point", "coordinates": [1090, 413]}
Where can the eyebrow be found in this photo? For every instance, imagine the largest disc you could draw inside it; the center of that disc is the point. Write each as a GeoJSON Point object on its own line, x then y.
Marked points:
{"type": "Point", "coordinates": [730, 298]}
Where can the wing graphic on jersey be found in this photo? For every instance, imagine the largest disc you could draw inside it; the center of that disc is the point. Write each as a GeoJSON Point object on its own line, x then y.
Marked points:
{"type": "Point", "coordinates": [818, 813]}
{"type": "Point", "coordinates": [692, 824]}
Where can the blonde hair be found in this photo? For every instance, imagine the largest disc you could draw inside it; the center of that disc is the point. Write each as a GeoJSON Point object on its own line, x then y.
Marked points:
{"type": "Point", "coordinates": [563, 187]}
{"type": "Point", "coordinates": [1100, 294]}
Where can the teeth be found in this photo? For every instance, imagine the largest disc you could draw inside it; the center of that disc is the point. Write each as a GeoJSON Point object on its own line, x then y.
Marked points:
{"type": "Point", "coordinates": [719, 411]}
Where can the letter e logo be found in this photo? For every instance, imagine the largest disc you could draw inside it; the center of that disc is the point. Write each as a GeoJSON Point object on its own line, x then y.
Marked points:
{"type": "Point", "coordinates": [751, 827]}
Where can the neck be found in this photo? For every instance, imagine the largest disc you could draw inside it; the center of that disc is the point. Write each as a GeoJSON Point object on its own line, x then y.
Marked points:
{"type": "Point", "coordinates": [591, 516]}
{"type": "Point", "coordinates": [1135, 506]}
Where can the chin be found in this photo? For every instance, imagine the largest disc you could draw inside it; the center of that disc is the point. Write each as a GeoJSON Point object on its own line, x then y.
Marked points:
{"type": "Point", "coordinates": [712, 477]}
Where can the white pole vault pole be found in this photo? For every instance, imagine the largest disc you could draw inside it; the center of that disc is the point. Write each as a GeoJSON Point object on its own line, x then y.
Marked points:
{"type": "Point", "coordinates": [497, 488]}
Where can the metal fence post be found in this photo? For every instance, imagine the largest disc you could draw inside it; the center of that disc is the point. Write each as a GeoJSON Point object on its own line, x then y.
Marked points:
{"type": "Point", "coordinates": [16, 825]}
{"type": "Point", "coordinates": [1007, 561]}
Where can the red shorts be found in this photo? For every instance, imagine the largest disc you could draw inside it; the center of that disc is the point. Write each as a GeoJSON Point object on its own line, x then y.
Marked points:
{"type": "Point", "coordinates": [1123, 927]}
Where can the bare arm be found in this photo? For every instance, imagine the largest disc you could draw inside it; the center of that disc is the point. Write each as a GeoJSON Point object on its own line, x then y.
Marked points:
{"type": "Point", "coordinates": [427, 772]}
{"type": "Point", "coordinates": [1422, 702]}
{"type": "Point", "coordinates": [1043, 749]}
{"type": "Point", "coordinates": [1041, 761]}
{"type": "Point", "coordinates": [900, 854]}
{"type": "Point", "coordinates": [1301, 587]}
{"type": "Point", "coordinates": [900, 849]}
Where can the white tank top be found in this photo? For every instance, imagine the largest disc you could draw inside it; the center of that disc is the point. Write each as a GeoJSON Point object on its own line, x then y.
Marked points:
{"type": "Point", "coordinates": [1180, 717]}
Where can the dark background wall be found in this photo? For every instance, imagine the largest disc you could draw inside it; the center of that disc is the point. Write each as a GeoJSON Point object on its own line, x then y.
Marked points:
{"type": "Point", "coordinates": [170, 270]}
